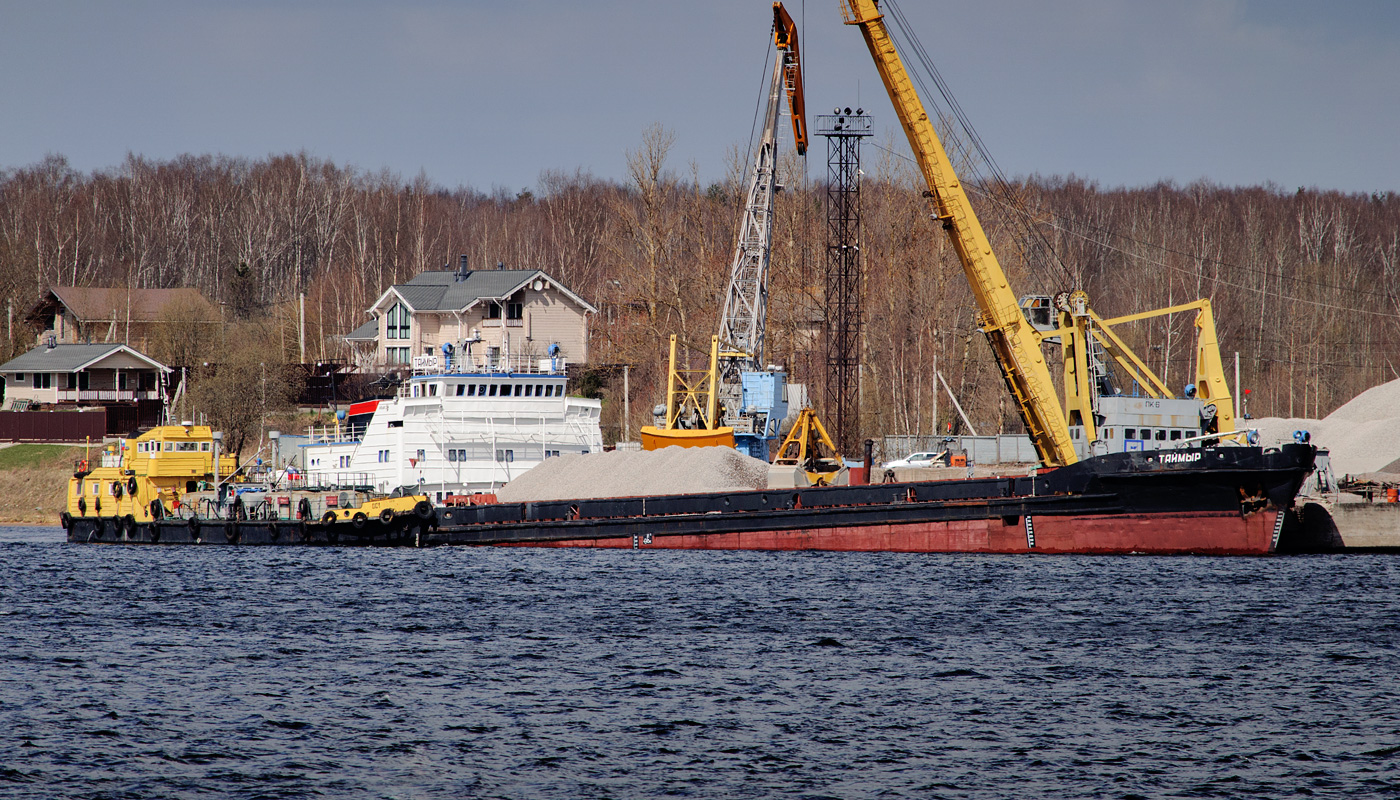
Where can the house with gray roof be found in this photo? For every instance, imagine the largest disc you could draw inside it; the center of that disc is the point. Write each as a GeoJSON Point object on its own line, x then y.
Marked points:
{"type": "Point", "coordinates": [82, 374]}
{"type": "Point", "coordinates": [488, 316]}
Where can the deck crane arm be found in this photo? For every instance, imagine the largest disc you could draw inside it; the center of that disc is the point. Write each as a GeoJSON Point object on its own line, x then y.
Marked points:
{"type": "Point", "coordinates": [737, 352]}
{"type": "Point", "coordinates": [743, 321]}
{"type": "Point", "coordinates": [1015, 343]}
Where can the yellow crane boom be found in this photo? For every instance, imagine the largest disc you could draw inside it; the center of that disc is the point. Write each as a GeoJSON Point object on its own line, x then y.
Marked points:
{"type": "Point", "coordinates": [1014, 341]}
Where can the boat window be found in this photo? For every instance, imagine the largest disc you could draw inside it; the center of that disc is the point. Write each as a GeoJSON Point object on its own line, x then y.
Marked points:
{"type": "Point", "coordinates": [416, 387]}
{"type": "Point", "coordinates": [518, 387]}
{"type": "Point", "coordinates": [422, 455]}
{"type": "Point", "coordinates": [432, 390]}
{"type": "Point", "coordinates": [1176, 435]}
{"type": "Point", "coordinates": [187, 447]}
{"type": "Point", "coordinates": [169, 447]}
{"type": "Point", "coordinates": [505, 390]}
{"type": "Point", "coordinates": [451, 455]}
{"type": "Point", "coordinates": [204, 446]}
{"type": "Point", "coordinates": [493, 390]}
{"type": "Point", "coordinates": [549, 390]}
{"type": "Point", "coordinates": [481, 390]}
{"type": "Point", "coordinates": [461, 389]}
{"type": "Point", "coordinates": [471, 389]}
{"type": "Point", "coordinates": [1130, 433]}
{"type": "Point", "coordinates": [396, 423]}
{"type": "Point", "coordinates": [1162, 435]}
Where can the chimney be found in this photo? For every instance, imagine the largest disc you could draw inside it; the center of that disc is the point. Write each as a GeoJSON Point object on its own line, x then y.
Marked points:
{"type": "Point", "coordinates": [462, 269]}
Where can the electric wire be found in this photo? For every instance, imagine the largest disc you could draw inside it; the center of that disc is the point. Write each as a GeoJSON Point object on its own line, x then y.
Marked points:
{"type": "Point", "coordinates": [998, 181]}
{"type": "Point", "coordinates": [1057, 222]}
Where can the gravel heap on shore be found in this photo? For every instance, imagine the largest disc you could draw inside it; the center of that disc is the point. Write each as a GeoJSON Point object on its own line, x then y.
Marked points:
{"type": "Point", "coordinates": [631, 473]}
{"type": "Point", "coordinates": [1362, 436]}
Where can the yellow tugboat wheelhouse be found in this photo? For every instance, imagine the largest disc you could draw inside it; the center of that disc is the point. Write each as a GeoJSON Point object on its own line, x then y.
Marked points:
{"type": "Point", "coordinates": [145, 478]}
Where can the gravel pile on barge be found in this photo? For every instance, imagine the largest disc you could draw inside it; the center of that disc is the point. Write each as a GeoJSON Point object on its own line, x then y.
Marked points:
{"type": "Point", "coordinates": [1360, 435]}
{"type": "Point", "coordinates": [634, 473]}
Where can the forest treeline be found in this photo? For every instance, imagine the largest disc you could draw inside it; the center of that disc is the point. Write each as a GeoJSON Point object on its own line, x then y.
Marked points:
{"type": "Point", "coordinates": [1304, 283]}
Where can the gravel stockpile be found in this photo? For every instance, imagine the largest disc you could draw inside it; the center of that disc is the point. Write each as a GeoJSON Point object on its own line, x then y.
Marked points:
{"type": "Point", "coordinates": [630, 473]}
{"type": "Point", "coordinates": [1362, 436]}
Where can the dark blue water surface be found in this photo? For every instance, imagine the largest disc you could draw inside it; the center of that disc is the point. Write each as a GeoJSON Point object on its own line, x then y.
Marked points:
{"type": "Point", "coordinates": [148, 672]}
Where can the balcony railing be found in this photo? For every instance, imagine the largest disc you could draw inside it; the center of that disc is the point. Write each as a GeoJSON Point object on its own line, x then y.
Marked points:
{"type": "Point", "coordinates": [105, 395]}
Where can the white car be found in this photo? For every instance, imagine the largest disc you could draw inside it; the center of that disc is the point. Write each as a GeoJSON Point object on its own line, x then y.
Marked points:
{"type": "Point", "coordinates": [930, 459]}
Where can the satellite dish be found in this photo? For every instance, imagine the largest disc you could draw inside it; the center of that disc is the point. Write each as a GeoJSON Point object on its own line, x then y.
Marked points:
{"type": "Point", "coordinates": [538, 285]}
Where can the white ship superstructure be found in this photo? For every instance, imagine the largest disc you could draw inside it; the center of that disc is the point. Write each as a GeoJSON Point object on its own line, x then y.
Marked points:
{"type": "Point", "coordinates": [456, 432]}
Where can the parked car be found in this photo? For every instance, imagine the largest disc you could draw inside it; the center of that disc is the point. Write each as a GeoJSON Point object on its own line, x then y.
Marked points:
{"type": "Point", "coordinates": [929, 459]}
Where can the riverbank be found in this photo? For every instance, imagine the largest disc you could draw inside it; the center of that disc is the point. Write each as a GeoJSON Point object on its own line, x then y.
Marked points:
{"type": "Point", "coordinates": [34, 482]}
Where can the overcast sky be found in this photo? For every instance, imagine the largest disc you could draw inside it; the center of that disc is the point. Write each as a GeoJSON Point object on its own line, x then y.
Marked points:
{"type": "Point", "coordinates": [489, 94]}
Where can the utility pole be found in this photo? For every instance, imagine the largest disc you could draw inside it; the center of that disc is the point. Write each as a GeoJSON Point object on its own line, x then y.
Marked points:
{"type": "Point", "coordinates": [1237, 384]}
{"type": "Point", "coordinates": [626, 406]}
{"type": "Point", "coordinates": [301, 325]}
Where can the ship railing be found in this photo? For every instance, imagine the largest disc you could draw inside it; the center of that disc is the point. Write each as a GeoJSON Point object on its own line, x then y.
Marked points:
{"type": "Point", "coordinates": [460, 364]}
{"type": "Point", "coordinates": [338, 481]}
{"type": "Point", "coordinates": [334, 434]}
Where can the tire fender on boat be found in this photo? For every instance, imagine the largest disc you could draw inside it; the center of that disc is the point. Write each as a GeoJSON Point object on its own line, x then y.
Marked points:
{"type": "Point", "coordinates": [328, 518]}
{"type": "Point", "coordinates": [358, 521]}
{"type": "Point", "coordinates": [386, 516]}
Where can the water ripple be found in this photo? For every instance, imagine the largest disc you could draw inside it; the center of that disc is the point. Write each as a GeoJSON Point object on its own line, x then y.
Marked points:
{"type": "Point", "coordinates": [291, 673]}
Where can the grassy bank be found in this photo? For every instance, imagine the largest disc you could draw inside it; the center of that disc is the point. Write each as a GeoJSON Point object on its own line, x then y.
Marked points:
{"type": "Point", "coordinates": [34, 481]}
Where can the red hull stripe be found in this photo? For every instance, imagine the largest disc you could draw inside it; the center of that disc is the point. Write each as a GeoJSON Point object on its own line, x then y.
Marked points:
{"type": "Point", "coordinates": [1169, 533]}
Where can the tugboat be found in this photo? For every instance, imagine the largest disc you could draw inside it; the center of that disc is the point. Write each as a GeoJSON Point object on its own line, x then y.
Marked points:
{"type": "Point", "coordinates": [172, 485]}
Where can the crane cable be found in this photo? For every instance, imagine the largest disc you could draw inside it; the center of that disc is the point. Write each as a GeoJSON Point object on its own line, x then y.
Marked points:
{"type": "Point", "coordinates": [1000, 185]}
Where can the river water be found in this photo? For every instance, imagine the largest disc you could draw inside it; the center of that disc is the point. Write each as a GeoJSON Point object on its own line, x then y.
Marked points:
{"type": "Point", "coordinates": [189, 672]}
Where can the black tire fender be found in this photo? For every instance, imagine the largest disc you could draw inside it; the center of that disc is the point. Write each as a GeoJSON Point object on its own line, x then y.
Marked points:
{"type": "Point", "coordinates": [358, 521]}
{"type": "Point", "coordinates": [304, 509]}
{"type": "Point", "coordinates": [157, 510]}
{"type": "Point", "coordinates": [131, 486]}
{"type": "Point", "coordinates": [423, 509]}
{"type": "Point", "coordinates": [66, 520]}
{"type": "Point", "coordinates": [117, 489]}
{"type": "Point", "coordinates": [386, 516]}
{"type": "Point", "coordinates": [328, 518]}
{"type": "Point", "coordinates": [82, 506]}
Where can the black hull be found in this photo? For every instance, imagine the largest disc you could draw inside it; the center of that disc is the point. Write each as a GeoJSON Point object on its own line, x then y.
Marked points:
{"type": "Point", "coordinates": [1194, 487]}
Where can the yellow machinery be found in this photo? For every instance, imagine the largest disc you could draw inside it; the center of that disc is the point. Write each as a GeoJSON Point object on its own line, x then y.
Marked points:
{"type": "Point", "coordinates": [1081, 332]}
{"type": "Point", "coordinates": [1015, 341]}
{"type": "Point", "coordinates": [809, 448]}
{"type": "Point", "coordinates": [692, 415]}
